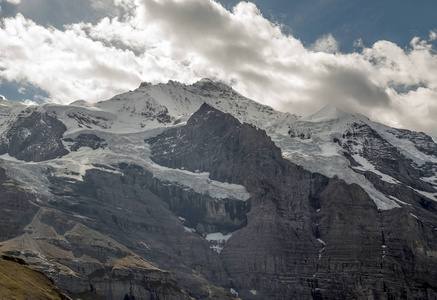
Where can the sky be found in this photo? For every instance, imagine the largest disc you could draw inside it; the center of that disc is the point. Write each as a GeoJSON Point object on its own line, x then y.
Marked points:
{"type": "Point", "coordinates": [374, 57]}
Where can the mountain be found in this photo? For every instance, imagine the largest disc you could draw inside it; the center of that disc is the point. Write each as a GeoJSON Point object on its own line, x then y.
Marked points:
{"type": "Point", "coordinates": [175, 191]}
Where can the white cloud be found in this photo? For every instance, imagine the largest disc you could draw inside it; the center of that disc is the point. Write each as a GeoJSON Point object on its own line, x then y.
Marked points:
{"type": "Point", "coordinates": [29, 102]}
{"type": "Point", "coordinates": [326, 43]}
{"type": "Point", "coordinates": [433, 35]}
{"type": "Point", "coordinates": [65, 64]}
{"type": "Point", "coordinates": [16, 2]}
{"type": "Point", "coordinates": [185, 40]}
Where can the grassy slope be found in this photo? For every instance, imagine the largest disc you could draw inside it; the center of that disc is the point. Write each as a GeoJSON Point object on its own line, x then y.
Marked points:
{"type": "Point", "coordinates": [19, 281]}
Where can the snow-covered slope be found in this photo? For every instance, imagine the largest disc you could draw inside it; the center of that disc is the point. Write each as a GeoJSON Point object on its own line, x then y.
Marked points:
{"type": "Point", "coordinates": [320, 143]}
{"type": "Point", "coordinates": [330, 141]}
{"type": "Point", "coordinates": [163, 105]}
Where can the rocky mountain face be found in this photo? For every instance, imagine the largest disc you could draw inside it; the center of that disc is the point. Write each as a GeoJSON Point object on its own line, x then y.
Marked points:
{"type": "Point", "coordinates": [195, 192]}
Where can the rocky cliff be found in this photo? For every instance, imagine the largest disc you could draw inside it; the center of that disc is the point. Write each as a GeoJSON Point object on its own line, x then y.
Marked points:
{"type": "Point", "coordinates": [307, 235]}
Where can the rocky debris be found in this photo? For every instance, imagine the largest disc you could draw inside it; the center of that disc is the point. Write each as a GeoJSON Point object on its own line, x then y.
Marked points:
{"type": "Point", "coordinates": [35, 138]}
{"type": "Point", "coordinates": [18, 281]}
{"type": "Point", "coordinates": [86, 140]}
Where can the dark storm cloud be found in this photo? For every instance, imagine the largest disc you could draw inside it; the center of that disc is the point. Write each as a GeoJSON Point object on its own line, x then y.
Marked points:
{"type": "Point", "coordinates": [350, 87]}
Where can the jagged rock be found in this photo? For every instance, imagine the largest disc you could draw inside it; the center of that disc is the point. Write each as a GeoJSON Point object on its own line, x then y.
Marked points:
{"type": "Point", "coordinates": [86, 140]}
{"type": "Point", "coordinates": [35, 138]}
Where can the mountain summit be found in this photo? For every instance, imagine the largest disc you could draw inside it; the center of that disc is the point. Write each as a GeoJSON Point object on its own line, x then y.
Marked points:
{"type": "Point", "coordinates": [193, 191]}
{"type": "Point", "coordinates": [326, 113]}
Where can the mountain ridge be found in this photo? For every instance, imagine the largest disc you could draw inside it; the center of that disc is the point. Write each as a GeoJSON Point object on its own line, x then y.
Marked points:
{"type": "Point", "coordinates": [197, 191]}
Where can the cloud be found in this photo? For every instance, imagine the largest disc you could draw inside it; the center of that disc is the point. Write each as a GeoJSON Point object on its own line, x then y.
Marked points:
{"type": "Point", "coordinates": [186, 40]}
{"type": "Point", "coordinates": [433, 35]}
{"type": "Point", "coordinates": [326, 43]}
{"type": "Point", "coordinates": [65, 64]}
{"type": "Point", "coordinates": [16, 2]}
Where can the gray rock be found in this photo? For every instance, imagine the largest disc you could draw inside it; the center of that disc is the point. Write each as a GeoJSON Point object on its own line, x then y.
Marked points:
{"type": "Point", "coordinates": [35, 138]}
{"type": "Point", "coordinates": [307, 236]}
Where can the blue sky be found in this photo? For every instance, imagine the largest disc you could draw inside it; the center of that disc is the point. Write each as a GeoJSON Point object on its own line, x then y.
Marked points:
{"type": "Point", "coordinates": [373, 57]}
{"type": "Point", "coordinates": [348, 20]}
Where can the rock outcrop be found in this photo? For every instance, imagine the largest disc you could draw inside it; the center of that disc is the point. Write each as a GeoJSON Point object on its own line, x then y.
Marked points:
{"type": "Point", "coordinates": [35, 138]}
{"type": "Point", "coordinates": [384, 156]}
{"type": "Point", "coordinates": [86, 140]}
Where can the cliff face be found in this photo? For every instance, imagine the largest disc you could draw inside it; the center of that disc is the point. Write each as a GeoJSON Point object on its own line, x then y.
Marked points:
{"type": "Point", "coordinates": [36, 137]}
{"type": "Point", "coordinates": [111, 236]}
{"type": "Point", "coordinates": [307, 235]}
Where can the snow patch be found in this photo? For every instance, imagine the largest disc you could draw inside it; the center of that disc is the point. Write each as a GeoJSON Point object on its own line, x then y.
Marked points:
{"type": "Point", "coordinates": [233, 292]}
{"type": "Point", "coordinates": [399, 201]}
{"type": "Point", "coordinates": [367, 166]}
{"type": "Point", "coordinates": [414, 216]}
{"type": "Point", "coordinates": [217, 240]}
{"type": "Point", "coordinates": [192, 230]}
{"type": "Point", "coordinates": [432, 196]}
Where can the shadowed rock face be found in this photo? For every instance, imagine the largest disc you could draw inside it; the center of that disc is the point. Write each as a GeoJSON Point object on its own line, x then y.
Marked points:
{"type": "Point", "coordinates": [86, 140]}
{"type": "Point", "coordinates": [16, 209]}
{"type": "Point", "coordinates": [307, 236]}
{"type": "Point", "coordinates": [35, 138]}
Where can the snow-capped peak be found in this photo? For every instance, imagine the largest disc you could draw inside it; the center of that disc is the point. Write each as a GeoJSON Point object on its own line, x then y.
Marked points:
{"type": "Point", "coordinates": [326, 113]}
